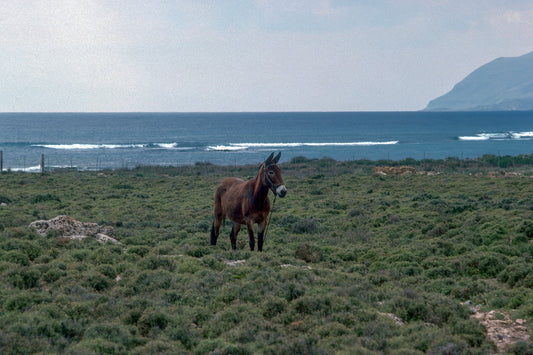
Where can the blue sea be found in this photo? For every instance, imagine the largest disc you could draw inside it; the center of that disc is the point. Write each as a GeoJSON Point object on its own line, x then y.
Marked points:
{"type": "Point", "coordinates": [93, 141]}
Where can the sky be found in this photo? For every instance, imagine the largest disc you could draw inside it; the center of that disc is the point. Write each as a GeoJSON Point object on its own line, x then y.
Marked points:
{"type": "Point", "coordinates": [248, 55]}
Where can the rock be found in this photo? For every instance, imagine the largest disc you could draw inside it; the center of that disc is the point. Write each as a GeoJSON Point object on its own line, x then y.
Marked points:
{"type": "Point", "coordinates": [234, 262]}
{"type": "Point", "coordinates": [502, 330]}
{"type": "Point", "coordinates": [473, 309]}
{"type": "Point", "coordinates": [3, 204]}
{"type": "Point", "coordinates": [73, 229]}
{"type": "Point", "coordinates": [290, 265]}
{"type": "Point", "coordinates": [394, 170]}
{"type": "Point", "coordinates": [394, 317]}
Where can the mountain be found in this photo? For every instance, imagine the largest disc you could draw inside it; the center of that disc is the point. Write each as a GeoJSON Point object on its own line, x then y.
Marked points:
{"type": "Point", "coordinates": [505, 84]}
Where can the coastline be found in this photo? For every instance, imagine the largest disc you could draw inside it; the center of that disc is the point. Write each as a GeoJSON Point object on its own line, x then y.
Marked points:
{"type": "Point", "coordinates": [518, 164]}
{"type": "Point", "coordinates": [109, 141]}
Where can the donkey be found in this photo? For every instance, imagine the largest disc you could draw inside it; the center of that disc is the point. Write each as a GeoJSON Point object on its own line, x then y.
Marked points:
{"type": "Point", "coordinates": [247, 202]}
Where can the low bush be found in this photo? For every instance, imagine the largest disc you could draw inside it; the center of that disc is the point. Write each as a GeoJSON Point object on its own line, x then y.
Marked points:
{"type": "Point", "coordinates": [308, 253]}
{"type": "Point", "coordinates": [306, 225]}
{"type": "Point", "coordinates": [45, 198]}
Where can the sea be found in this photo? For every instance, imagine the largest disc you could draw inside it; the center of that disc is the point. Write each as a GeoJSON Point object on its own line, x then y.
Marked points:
{"type": "Point", "coordinates": [95, 141]}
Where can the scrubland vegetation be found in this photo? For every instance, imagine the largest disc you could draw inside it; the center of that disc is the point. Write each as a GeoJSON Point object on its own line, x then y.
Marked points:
{"type": "Point", "coordinates": [353, 263]}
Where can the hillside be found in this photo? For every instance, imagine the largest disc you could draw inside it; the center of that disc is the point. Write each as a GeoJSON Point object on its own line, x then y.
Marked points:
{"type": "Point", "coordinates": [353, 262]}
{"type": "Point", "coordinates": [505, 84]}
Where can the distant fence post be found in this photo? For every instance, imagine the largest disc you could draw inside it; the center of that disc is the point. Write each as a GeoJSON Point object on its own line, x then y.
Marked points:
{"type": "Point", "coordinates": [42, 163]}
{"type": "Point", "coordinates": [1, 162]}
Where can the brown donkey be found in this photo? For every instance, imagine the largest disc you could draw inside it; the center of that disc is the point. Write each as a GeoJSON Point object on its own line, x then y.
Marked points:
{"type": "Point", "coordinates": [246, 202]}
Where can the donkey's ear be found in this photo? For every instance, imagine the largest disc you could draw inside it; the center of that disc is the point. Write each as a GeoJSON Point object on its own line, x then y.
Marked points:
{"type": "Point", "coordinates": [276, 159]}
{"type": "Point", "coordinates": [268, 160]}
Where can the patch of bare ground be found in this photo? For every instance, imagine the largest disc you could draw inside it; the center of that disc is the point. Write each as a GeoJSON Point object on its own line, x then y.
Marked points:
{"type": "Point", "coordinates": [501, 329]}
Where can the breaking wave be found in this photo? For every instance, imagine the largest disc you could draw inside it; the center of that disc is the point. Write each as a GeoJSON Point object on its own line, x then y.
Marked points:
{"type": "Point", "coordinates": [497, 136]}
{"type": "Point", "coordinates": [80, 146]}
{"type": "Point", "coordinates": [245, 146]}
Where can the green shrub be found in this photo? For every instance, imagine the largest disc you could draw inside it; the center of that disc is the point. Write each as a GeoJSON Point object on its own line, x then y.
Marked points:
{"type": "Point", "coordinates": [154, 262]}
{"type": "Point", "coordinates": [159, 347]}
{"type": "Point", "coordinates": [299, 160]}
{"type": "Point", "coordinates": [45, 198]}
{"type": "Point", "coordinates": [152, 280]}
{"type": "Point", "coordinates": [80, 254]}
{"type": "Point", "coordinates": [306, 226]}
{"type": "Point", "coordinates": [53, 275]}
{"type": "Point", "coordinates": [25, 278]}
{"type": "Point", "coordinates": [520, 348]}
{"type": "Point", "coordinates": [230, 317]}
{"type": "Point", "coordinates": [470, 330]}
{"type": "Point", "coordinates": [485, 264]}
{"type": "Point", "coordinates": [274, 306]}
{"type": "Point", "coordinates": [515, 274]}
{"type": "Point", "coordinates": [153, 321]}
{"type": "Point", "coordinates": [527, 229]}
{"type": "Point", "coordinates": [123, 187]}
{"type": "Point", "coordinates": [184, 331]}
{"type": "Point", "coordinates": [97, 281]}
{"type": "Point", "coordinates": [308, 253]}
{"type": "Point", "coordinates": [303, 344]}
{"type": "Point", "coordinates": [17, 257]}
{"type": "Point", "coordinates": [287, 220]}
{"type": "Point", "coordinates": [22, 301]}
{"type": "Point", "coordinates": [97, 346]}
{"type": "Point", "coordinates": [139, 250]}
{"type": "Point", "coordinates": [313, 304]}
{"type": "Point", "coordinates": [107, 270]}
{"type": "Point", "coordinates": [411, 305]}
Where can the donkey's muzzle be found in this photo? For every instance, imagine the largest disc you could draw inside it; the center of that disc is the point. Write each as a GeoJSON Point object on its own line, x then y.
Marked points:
{"type": "Point", "coordinates": [281, 190]}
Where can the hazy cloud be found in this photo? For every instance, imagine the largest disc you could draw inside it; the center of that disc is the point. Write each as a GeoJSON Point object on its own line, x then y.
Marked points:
{"type": "Point", "coordinates": [242, 55]}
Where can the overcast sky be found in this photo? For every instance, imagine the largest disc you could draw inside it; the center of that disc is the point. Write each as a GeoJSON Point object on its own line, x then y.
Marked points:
{"type": "Point", "coordinates": [246, 55]}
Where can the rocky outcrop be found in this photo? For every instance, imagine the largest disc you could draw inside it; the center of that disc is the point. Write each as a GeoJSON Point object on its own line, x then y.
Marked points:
{"type": "Point", "coordinates": [502, 330]}
{"type": "Point", "coordinates": [69, 227]}
{"type": "Point", "coordinates": [394, 170]}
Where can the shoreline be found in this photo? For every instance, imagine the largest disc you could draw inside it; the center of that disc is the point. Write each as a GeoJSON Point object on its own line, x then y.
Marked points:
{"type": "Point", "coordinates": [328, 166]}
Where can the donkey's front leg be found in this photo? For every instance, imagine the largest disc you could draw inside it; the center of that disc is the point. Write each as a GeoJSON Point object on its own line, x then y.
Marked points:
{"type": "Point", "coordinates": [250, 227]}
{"type": "Point", "coordinates": [260, 233]}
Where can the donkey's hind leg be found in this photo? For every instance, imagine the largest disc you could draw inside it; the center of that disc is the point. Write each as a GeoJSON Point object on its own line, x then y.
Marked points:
{"type": "Point", "coordinates": [217, 221]}
{"type": "Point", "coordinates": [251, 237]}
{"type": "Point", "coordinates": [214, 234]}
{"type": "Point", "coordinates": [218, 216]}
{"type": "Point", "coordinates": [215, 228]}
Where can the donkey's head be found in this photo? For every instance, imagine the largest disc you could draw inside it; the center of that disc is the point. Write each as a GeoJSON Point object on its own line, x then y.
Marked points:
{"type": "Point", "coordinates": [272, 175]}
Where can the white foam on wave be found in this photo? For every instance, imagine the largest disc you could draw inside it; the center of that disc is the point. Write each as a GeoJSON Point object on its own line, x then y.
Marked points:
{"type": "Point", "coordinates": [522, 135]}
{"type": "Point", "coordinates": [37, 168]}
{"type": "Point", "coordinates": [244, 146]}
{"type": "Point", "coordinates": [29, 169]}
{"type": "Point", "coordinates": [497, 136]}
{"type": "Point", "coordinates": [225, 148]}
{"type": "Point", "coordinates": [78, 146]}
{"type": "Point", "coordinates": [167, 145]}
{"type": "Point", "coordinates": [474, 138]}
